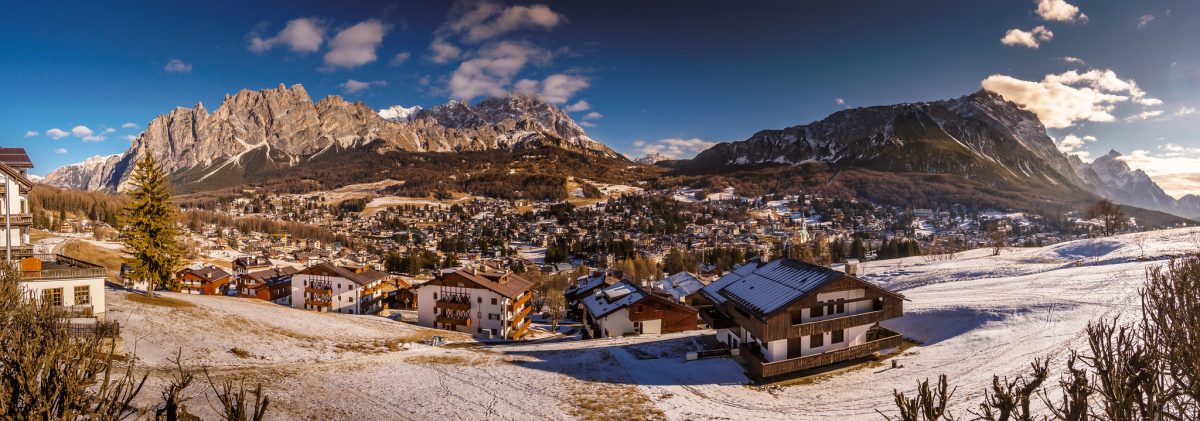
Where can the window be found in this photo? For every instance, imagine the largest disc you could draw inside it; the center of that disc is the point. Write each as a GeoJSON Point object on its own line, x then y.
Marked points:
{"type": "Point", "coordinates": [838, 336]}
{"type": "Point", "coordinates": [435, 296]}
{"type": "Point", "coordinates": [479, 300]}
{"type": "Point", "coordinates": [829, 310]}
{"type": "Point", "coordinates": [816, 341]}
{"type": "Point", "coordinates": [83, 295]}
{"type": "Point", "coordinates": [52, 296]}
{"type": "Point", "coordinates": [841, 308]}
{"type": "Point", "coordinates": [638, 309]}
{"type": "Point", "coordinates": [817, 311]}
{"type": "Point", "coordinates": [493, 301]}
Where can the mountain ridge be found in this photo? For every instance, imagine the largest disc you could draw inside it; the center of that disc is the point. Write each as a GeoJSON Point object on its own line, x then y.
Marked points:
{"type": "Point", "coordinates": [285, 126]}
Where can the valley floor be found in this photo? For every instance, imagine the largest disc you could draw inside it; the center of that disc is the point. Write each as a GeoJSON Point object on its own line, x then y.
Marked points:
{"type": "Point", "coordinates": [975, 315]}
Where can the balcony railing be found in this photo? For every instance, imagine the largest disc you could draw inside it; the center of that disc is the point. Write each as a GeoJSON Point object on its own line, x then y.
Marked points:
{"type": "Point", "coordinates": [454, 320]}
{"type": "Point", "coordinates": [844, 322]}
{"type": "Point", "coordinates": [757, 365]}
{"type": "Point", "coordinates": [17, 219]}
{"type": "Point", "coordinates": [519, 302]}
{"type": "Point", "coordinates": [57, 266]}
{"type": "Point", "coordinates": [76, 311]}
{"type": "Point", "coordinates": [452, 305]}
{"type": "Point", "coordinates": [318, 303]}
{"type": "Point", "coordinates": [520, 316]}
{"type": "Point", "coordinates": [109, 329]}
{"type": "Point", "coordinates": [521, 330]}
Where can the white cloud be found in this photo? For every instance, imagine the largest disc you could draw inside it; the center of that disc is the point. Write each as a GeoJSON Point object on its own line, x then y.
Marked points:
{"type": "Point", "coordinates": [129, 126]}
{"type": "Point", "coordinates": [1060, 11]}
{"type": "Point", "coordinates": [303, 35]}
{"type": "Point", "coordinates": [109, 130]}
{"type": "Point", "coordinates": [30, 133]}
{"type": "Point", "coordinates": [492, 71]}
{"type": "Point", "coordinates": [57, 133]}
{"type": "Point", "coordinates": [1072, 144]}
{"type": "Point", "coordinates": [578, 106]}
{"type": "Point", "coordinates": [1173, 167]}
{"type": "Point", "coordinates": [588, 124]}
{"type": "Point", "coordinates": [839, 101]}
{"type": "Point", "coordinates": [486, 20]}
{"type": "Point", "coordinates": [1062, 99]}
{"type": "Point", "coordinates": [1073, 60]}
{"type": "Point", "coordinates": [353, 86]}
{"type": "Point", "coordinates": [1145, 20]}
{"type": "Point", "coordinates": [555, 89]}
{"type": "Point", "coordinates": [85, 133]}
{"type": "Point", "coordinates": [129, 137]}
{"type": "Point", "coordinates": [1185, 111]}
{"type": "Point", "coordinates": [1031, 39]}
{"type": "Point", "coordinates": [400, 58]}
{"type": "Point", "coordinates": [355, 46]}
{"type": "Point", "coordinates": [177, 66]}
{"type": "Point", "coordinates": [1145, 115]}
{"type": "Point", "coordinates": [593, 116]}
{"type": "Point", "coordinates": [60, 151]}
{"type": "Point", "coordinates": [442, 52]}
{"type": "Point", "coordinates": [675, 148]}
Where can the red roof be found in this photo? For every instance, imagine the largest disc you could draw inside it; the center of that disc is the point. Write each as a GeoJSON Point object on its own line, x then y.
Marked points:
{"type": "Point", "coordinates": [15, 157]}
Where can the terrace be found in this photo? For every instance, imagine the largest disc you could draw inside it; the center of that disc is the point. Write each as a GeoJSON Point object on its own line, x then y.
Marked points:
{"type": "Point", "coordinates": [46, 267]}
{"type": "Point", "coordinates": [877, 339]}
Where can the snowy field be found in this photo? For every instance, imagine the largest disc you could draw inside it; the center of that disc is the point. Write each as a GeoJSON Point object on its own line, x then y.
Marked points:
{"type": "Point", "coordinates": [975, 315]}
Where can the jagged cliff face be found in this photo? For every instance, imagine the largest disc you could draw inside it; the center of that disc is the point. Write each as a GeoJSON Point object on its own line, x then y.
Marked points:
{"type": "Point", "coordinates": [979, 136]}
{"type": "Point", "coordinates": [286, 127]}
{"type": "Point", "coordinates": [1110, 177]}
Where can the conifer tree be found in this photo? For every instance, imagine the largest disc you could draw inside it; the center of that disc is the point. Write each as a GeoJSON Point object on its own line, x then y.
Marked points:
{"type": "Point", "coordinates": [153, 251]}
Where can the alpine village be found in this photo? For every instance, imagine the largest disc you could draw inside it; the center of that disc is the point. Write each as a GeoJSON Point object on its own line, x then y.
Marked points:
{"type": "Point", "coordinates": [481, 256]}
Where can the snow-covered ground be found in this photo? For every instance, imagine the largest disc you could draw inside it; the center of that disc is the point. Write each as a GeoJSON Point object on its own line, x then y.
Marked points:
{"type": "Point", "coordinates": [976, 315]}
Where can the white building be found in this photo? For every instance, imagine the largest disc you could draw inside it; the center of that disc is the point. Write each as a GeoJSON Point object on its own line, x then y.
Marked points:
{"type": "Point", "coordinates": [330, 287]}
{"type": "Point", "coordinates": [486, 303]}
{"type": "Point", "coordinates": [70, 285]}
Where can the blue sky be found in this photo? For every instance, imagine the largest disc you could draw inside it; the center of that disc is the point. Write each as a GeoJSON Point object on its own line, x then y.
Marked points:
{"type": "Point", "coordinates": [659, 76]}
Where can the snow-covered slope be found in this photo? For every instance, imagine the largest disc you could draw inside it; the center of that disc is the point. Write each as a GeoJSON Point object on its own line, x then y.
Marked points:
{"type": "Point", "coordinates": [976, 315]}
{"type": "Point", "coordinates": [1112, 178]}
{"type": "Point", "coordinates": [399, 113]}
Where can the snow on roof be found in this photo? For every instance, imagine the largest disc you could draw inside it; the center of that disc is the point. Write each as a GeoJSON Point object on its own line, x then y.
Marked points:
{"type": "Point", "coordinates": [587, 282]}
{"type": "Point", "coordinates": [603, 302]}
{"type": "Point", "coordinates": [713, 290]}
{"type": "Point", "coordinates": [680, 284]}
{"type": "Point", "coordinates": [774, 284]}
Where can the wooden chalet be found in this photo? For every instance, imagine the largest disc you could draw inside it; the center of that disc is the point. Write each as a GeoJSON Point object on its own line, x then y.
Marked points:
{"type": "Point", "coordinates": [204, 280]}
{"type": "Point", "coordinates": [787, 316]}
{"type": "Point", "coordinates": [626, 309]}
{"type": "Point", "coordinates": [484, 302]}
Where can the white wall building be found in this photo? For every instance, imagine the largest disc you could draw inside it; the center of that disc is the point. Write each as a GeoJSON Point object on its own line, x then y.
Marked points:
{"type": "Point", "coordinates": [329, 287]}
{"type": "Point", "coordinates": [484, 303]}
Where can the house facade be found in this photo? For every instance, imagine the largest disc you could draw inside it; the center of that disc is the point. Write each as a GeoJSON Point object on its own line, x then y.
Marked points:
{"type": "Point", "coordinates": [483, 302]}
{"type": "Point", "coordinates": [71, 286]}
{"type": "Point", "coordinates": [338, 288]}
{"type": "Point", "coordinates": [274, 285]}
{"type": "Point", "coordinates": [204, 280]}
{"type": "Point", "coordinates": [787, 316]}
{"type": "Point", "coordinates": [625, 309]}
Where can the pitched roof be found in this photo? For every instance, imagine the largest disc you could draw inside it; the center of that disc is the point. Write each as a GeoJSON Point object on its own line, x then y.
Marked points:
{"type": "Point", "coordinates": [15, 157]}
{"type": "Point", "coordinates": [615, 297]}
{"type": "Point", "coordinates": [272, 274]}
{"type": "Point", "coordinates": [505, 283]}
{"type": "Point", "coordinates": [680, 284]}
{"type": "Point", "coordinates": [207, 273]}
{"type": "Point", "coordinates": [15, 175]}
{"type": "Point", "coordinates": [765, 288]}
{"type": "Point", "coordinates": [365, 277]}
{"type": "Point", "coordinates": [587, 283]}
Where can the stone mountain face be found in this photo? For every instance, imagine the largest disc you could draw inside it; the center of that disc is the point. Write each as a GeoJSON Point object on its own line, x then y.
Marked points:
{"type": "Point", "coordinates": [286, 127]}
{"type": "Point", "coordinates": [1110, 177]}
{"type": "Point", "coordinates": [979, 136]}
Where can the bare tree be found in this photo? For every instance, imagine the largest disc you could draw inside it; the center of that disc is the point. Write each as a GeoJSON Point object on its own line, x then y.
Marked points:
{"type": "Point", "coordinates": [1112, 218]}
{"type": "Point", "coordinates": [929, 404]}
{"type": "Point", "coordinates": [999, 240]}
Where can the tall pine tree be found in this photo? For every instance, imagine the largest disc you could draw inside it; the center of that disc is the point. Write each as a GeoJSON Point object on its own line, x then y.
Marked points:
{"type": "Point", "coordinates": [149, 218]}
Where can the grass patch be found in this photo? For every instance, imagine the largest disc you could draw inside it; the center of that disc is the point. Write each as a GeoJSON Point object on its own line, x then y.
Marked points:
{"type": "Point", "coordinates": [608, 401]}
{"type": "Point", "coordinates": [456, 360]}
{"type": "Point", "coordinates": [36, 235]}
{"type": "Point", "coordinates": [158, 301]}
{"type": "Point", "coordinates": [82, 250]}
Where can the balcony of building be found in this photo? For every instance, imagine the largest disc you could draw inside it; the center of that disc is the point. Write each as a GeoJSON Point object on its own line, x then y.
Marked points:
{"type": "Point", "coordinates": [17, 219]}
{"type": "Point", "coordinates": [46, 267]}
{"type": "Point", "coordinates": [878, 339]}
{"type": "Point", "coordinates": [829, 324]}
{"type": "Point", "coordinates": [520, 301]}
{"type": "Point", "coordinates": [453, 301]}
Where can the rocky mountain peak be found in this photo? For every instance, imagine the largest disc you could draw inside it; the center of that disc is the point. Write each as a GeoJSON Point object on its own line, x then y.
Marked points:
{"type": "Point", "coordinates": [282, 126]}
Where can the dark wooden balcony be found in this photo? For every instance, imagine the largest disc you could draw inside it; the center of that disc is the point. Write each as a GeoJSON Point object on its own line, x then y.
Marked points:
{"type": "Point", "coordinates": [318, 302]}
{"type": "Point", "coordinates": [880, 340]}
{"type": "Point", "coordinates": [454, 320]}
{"type": "Point", "coordinates": [845, 322]}
{"type": "Point", "coordinates": [519, 317]}
{"type": "Point", "coordinates": [516, 305]}
{"type": "Point", "coordinates": [452, 305]}
{"type": "Point", "coordinates": [521, 330]}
